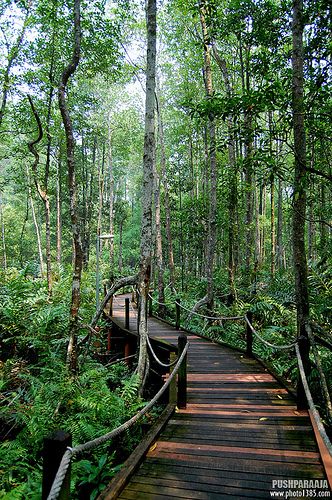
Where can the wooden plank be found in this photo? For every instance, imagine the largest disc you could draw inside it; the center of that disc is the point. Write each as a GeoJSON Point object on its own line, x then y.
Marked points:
{"type": "Point", "coordinates": [269, 468]}
{"type": "Point", "coordinates": [187, 488]}
{"type": "Point", "coordinates": [221, 452]}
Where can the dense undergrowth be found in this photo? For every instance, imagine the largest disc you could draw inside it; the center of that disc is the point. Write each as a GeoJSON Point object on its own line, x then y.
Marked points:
{"type": "Point", "coordinates": [38, 397]}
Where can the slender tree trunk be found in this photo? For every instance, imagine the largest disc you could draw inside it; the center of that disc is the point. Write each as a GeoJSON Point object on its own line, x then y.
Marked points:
{"type": "Point", "coordinates": [3, 236]}
{"type": "Point", "coordinates": [212, 228]}
{"type": "Point", "coordinates": [120, 261]}
{"type": "Point", "coordinates": [322, 226]}
{"type": "Point", "coordinates": [58, 209]}
{"type": "Point", "coordinates": [35, 223]}
{"type": "Point", "coordinates": [148, 182]}
{"type": "Point", "coordinates": [300, 178]}
{"type": "Point", "coordinates": [233, 191]}
{"type": "Point", "coordinates": [111, 204]}
{"type": "Point", "coordinates": [159, 248]}
{"type": "Point", "coordinates": [167, 199]}
{"type": "Point", "coordinates": [280, 245]}
{"type": "Point", "coordinates": [70, 143]}
{"type": "Point", "coordinates": [43, 192]}
{"type": "Point", "coordinates": [100, 199]}
{"type": "Point", "coordinates": [272, 227]}
{"type": "Point", "coordinates": [249, 173]}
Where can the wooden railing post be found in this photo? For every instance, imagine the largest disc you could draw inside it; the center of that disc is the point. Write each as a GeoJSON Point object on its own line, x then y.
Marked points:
{"type": "Point", "coordinates": [127, 313]}
{"type": "Point", "coordinates": [182, 373]}
{"type": "Point", "coordinates": [54, 448]}
{"type": "Point", "coordinates": [111, 306]}
{"type": "Point", "coordinates": [304, 348]}
{"type": "Point", "coordinates": [249, 337]}
{"type": "Point", "coordinates": [150, 306]}
{"type": "Point", "coordinates": [177, 314]}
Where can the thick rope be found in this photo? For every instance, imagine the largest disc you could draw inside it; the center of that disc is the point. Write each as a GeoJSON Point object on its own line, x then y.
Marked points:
{"type": "Point", "coordinates": [60, 475]}
{"type": "Point", "coordinates": [65, 462]}
{"type": "Point", "coordinates": [219, 318]}
{"type": "Point", "coordinates": [165, 365]}
{"type": "Point", "coordinates": [157, 301]}
{"type": "Point", "coordinates": [312, 407]}
{"type": "Point", "coordinates": [274, 346]}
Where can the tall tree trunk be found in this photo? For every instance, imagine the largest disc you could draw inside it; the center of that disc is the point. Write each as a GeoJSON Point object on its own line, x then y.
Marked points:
{"type": "Point", "coordinates": [3, 236]}
{"type": "Point", "coordinates": [70, 143]}
{"type": "Point", "coordinates": [249, 173]}
{"type": "Point", "coordinates": [159, 247]}
{"type": "Point", "coordinates": [166, 194]}
{"type": "Point", "coordinates": [322, 226]}
{"type": "Point", "coordinates": [148, 183]}
{"type": "Point", "coordinates": [120, 261]}
{"type": "Point", "coordinates": [281, 263]}
{"type": "Point", "coordinates": [35, 223]}
{"type": "Point", "coordinates": [300, 178]}
{"type": "Point", "coordinates": [212, 158]}
{"type": "Point", "coordinates": [258, 200]}
{"type": "Point", "coordinates": [232, 192]}
{"type": "Point", "coordinates": [58, 209]}
{"type": "Point", "coordinates": [111, 203]}
{"type": "Point", "coordinates": [272, 227]}
{"type": "Point", "coordinates": [100, 199]}
{"type": "Point", "coordinates": [43, 192]}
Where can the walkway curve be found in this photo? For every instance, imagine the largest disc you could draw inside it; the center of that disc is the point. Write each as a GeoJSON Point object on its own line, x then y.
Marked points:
{"type": "Point", "coordinates": [240, 437]}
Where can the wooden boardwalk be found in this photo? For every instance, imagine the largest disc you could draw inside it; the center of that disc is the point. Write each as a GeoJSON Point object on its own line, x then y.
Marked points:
{"type": "Point", "coordinates": [240, 432]}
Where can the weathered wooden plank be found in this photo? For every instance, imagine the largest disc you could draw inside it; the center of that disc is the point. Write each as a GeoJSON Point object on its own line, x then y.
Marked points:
{"type": "Point", "coordinates": [181, 486]}
{"type": "Point", "coordinates": [269, 468]}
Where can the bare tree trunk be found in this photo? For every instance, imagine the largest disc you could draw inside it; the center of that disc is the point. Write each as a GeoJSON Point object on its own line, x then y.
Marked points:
{"type": "Point", "coordinates": [3, 235]}
{"type": "Point", "coordinates": [35, 223]}
{"type": "Point", "coordinates": [159, 248]}
{"type": "Point", "coordinates": [258, 240]}
{"type": "Point", "coordinates": [248, 154]}
{"type": "Point", "coordinates": [280, 245]}
{"type": "Point", "coordinates": [300, 177]}
{"type": "Point", "coordinates": [148, 182]}
{"type": "Point", "coordinates": [100, 200]}
{"type": "Point", "coordinates": [43, 192]}
{"type": "Point", "coordinates": [211, 243]}
{"type": "Point", "coordinates": [232, 196]}
{"type": "Point", "coordinates": [111, 204]}
{"type": "Point", "coordinates": [120, 261]}
{"type": "Point", "coordinates": [272, 227]}
{"type": "Point", "coordinates": [70, 143]}
{"type": "Point", "coordinates": [167, 200]}
{"type": "Point", "coordinates": [58, 210]}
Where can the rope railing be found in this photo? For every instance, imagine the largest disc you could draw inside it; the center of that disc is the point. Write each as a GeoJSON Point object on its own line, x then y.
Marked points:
{"type": "Point", "coordinates": [155, 357]}
{"type": "Point", "coordinates": [311, 404]}
{"type": "Point", "coordinates": [89, 445]}
{"type": "Point", "coordinates": [157, 301]}
{"type": "Point", "coordinates": [273, 346]}
{"type": "Point", "coordinates": [216, 318]}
